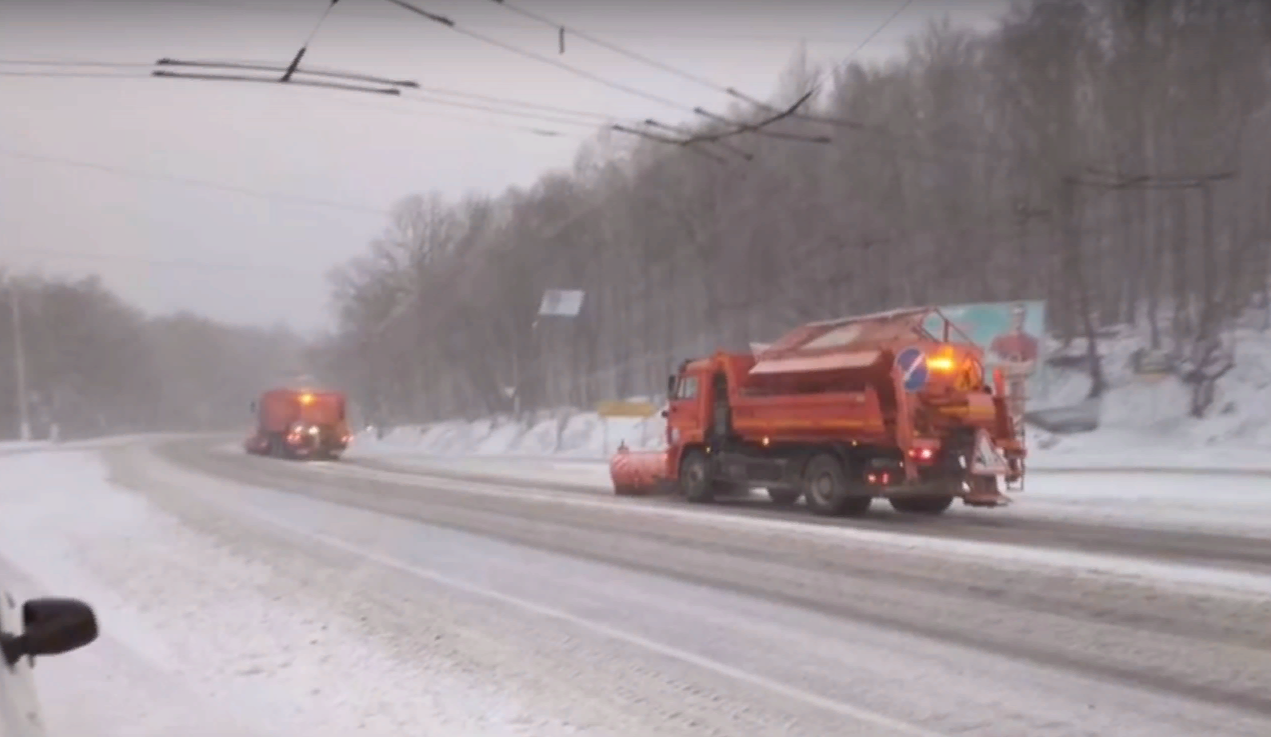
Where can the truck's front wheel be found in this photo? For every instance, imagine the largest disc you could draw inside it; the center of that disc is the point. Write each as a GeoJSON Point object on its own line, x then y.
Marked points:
{"type": "Point", "coordinates": [827, 491]}
{"type": "Point", "coordinates": [695, 478]}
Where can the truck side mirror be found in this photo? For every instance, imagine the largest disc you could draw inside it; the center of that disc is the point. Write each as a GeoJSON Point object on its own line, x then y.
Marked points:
{"type": "Point", "coordinates": [50, 627]}
{"type": "Point", "coordinates": [252, 407]}
{"type": "Point", "coordinates": [666, 413]}
{"type": "Point", "coordinates": [670, 386]}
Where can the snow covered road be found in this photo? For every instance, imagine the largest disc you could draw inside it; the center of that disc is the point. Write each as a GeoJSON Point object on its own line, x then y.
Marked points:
{"type": "Point", "coordinates": [336, 598]}
{"type": "Point", "coordinates": [1182, 499]}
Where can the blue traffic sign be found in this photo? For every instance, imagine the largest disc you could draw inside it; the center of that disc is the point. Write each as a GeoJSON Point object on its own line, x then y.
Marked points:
{"type": "Point", "coordinates": [912, 363]}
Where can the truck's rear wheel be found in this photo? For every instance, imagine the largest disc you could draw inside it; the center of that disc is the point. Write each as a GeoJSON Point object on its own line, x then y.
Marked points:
{"type": "Point", "coordinates": [925, 504]}
{"type": "Point", "coordinates": [784, 497]}
{"type": "Point", "coordinates": [827, 490]}
{"type": "Point", "coordinates": [695, 478]}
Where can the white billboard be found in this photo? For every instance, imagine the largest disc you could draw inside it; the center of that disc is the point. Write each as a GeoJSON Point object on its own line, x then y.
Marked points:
{"type": "Point", "coordinates": [561, 303]}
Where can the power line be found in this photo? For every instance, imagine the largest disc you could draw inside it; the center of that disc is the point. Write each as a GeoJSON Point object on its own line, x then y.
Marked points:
{"type": "Point", "coordinates": [75, 75]}
{"type": "Point", "coordinates": [683, 74]}
{"type": "Point", "coordinates": [557, 120]}
{"type": "Point", "coordinates": [65, 63]}
{"type": "Point", "coordinates": [121, 171]}
{"type": "Point", "coordinates": [670, 33]}
{"type": "Point", "coordinates": [543, 132]}
{"type": "Point", "coordinates": [609, 45]}
{"type": "Point", "coordinates": [514, 103]}
{"type": "Point", "coordinates": [251, 65]}
{"type": "Point", "coordinates": [391, 87]}
{"type": "Point", "coordinates": [565, 117]}
{"type": "Point", "coordinates": [882, 130]}
{"type": "Point", "coordinates": [840, 121]}
{"type": "Point", "coordinates": [149, 261]}
{"type": "Point", "coordinates": [318, 25]}
{"type": "Point", "coordinates": [304, 48]}
{"type": "Point", "coordinates": [879, 29]}
{"type": "Point", "coordinates": [448, 23]}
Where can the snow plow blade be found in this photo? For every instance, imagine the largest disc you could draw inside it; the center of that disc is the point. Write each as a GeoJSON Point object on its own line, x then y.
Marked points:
{"type": "Point", "coordinates": [639, 473]}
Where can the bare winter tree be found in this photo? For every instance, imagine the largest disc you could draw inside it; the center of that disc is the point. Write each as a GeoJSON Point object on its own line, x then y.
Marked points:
{"type": "Point", "coordinates": [1110, 156]}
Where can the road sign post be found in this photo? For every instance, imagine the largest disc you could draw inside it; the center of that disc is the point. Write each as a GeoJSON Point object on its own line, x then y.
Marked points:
{"type": "Point", "coordinates": [566, 303]}
{"type": "Point", "coordinates": [606, 410]}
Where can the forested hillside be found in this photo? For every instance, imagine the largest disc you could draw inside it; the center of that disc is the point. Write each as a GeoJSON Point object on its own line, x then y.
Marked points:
{"type": "Point", "coordinates": [96, 366]}
{"type": "Point", "coordinates": [1110, 156]}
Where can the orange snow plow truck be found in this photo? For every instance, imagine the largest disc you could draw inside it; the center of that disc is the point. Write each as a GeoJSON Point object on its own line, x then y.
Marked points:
{"type": "Point", "coordinates": [299, 423]}
{"type": "Point", "coordinates": [893, 405]}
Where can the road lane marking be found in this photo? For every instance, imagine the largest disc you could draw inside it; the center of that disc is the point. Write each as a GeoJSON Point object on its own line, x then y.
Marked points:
{"type": "Point", "coordinates": [850, 711]}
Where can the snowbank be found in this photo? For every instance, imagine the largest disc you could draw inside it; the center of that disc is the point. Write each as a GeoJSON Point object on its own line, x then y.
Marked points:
{"type": "Point", "coordinates": [564, 433]}
{"type": "Point", "coordinates": [576, 436]}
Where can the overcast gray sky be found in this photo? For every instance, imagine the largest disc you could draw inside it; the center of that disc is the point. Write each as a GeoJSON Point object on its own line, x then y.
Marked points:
{"type": "Point", "coordinates": [165, 245]}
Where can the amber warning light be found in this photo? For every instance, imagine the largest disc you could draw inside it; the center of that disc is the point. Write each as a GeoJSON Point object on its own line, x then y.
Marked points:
{"type": "Point", "coordinates": [940, 363]}
{"type": "Point", "coordinates": [306, 398]}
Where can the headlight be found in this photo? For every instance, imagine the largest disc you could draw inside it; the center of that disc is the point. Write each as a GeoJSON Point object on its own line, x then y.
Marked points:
{"type": "Point", "coordinates": [313, 430]}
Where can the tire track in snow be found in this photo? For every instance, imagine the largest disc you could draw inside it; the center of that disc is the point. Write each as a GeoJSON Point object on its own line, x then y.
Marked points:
{"type": "Point", "coordinates": [1122, 631]}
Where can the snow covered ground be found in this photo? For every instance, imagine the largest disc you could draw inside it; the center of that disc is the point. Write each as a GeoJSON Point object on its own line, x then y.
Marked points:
{"type": "Point", "coordinates": [232, 609]}
{"type": "Point", "coordinates": [108, 441]}
{"type": "Point", "coordinates": [197, 638]}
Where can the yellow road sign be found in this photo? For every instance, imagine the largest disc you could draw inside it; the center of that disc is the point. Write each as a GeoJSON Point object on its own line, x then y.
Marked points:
{"type": "Point", "coordinates": [625, 409]}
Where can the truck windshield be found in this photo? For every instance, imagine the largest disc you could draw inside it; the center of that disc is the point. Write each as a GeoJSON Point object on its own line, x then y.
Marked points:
{"type": "Point", "coordinates": [686, 388]}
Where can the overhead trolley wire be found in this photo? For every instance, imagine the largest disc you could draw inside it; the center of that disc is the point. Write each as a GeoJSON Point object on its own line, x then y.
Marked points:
{"type": "Point", "coordinates": [317, 26]}
{"type": "Point", "coordinates": [511, 48]}
{"type": "Point", "coordinates": [879, 29]}
{"type": "Point", "coordinates": [52, 254]}
{"type": "Point", "coordinates": [663, 66]}
{"type": "Point", "coordinates": [511, 107]}
{"type": "Point", "coordinates": [609, 45]}
{"type": "Point", "coordinates": [123, 171]}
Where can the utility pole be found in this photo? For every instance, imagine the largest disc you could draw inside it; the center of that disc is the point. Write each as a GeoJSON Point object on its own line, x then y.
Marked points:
{"type": "Point", "coordinates": [1110, 181]}
{"type": "Point", "coordinates": [1074, 268]}
{"type": "Point", "coordinates": [1025, 214]}
{"type": "Point", "coordinates": [19, 359]}
{"type": "Point", "coordinates": [1204, 183]}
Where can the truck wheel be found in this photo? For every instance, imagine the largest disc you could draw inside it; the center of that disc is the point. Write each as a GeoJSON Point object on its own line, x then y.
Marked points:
{"type": "Point", "coordinates": [826, 489]}
{"type": "Point", "coordinates": [932, 504]}
{"type": "Point", "coordinates": [784, 497]}
{"type": "Point", "coordinates": [695, 478]}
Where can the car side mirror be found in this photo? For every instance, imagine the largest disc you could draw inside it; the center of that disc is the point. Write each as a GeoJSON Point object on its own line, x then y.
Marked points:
{"type": "Point", "coordinates": [50, 627]}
